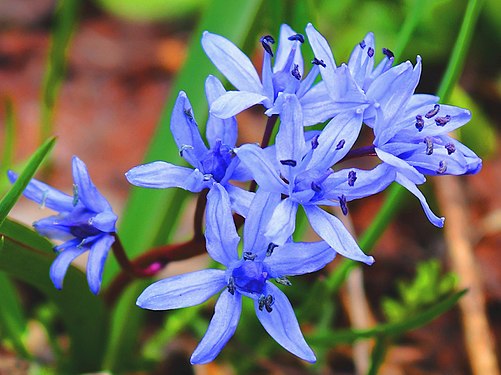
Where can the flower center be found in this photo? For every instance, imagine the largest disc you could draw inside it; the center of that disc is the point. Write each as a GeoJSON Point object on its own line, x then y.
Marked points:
{"type": "Point", "coordinates": [216, 161]}
{"type": "Point", "coordinates": [250, 277]}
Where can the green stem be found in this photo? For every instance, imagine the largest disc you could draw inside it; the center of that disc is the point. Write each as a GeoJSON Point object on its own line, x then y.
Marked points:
{"type": "Point", "coordinates": [377, 355]}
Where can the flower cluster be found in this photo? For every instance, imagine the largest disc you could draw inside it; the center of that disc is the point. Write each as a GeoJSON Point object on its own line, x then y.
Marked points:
{"type": "Point", "coordinates": [299, 167]}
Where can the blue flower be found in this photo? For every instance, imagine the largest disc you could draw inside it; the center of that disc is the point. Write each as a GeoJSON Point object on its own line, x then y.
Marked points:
{"type": "Point", "coordinates": [247, 276]}
{"type": "Point", "coordinates": [85, 222]}
{"type": "Point", "coordinates": [302, 172]}
{"type": "Point", "coordinates": [411, 132]}
{"type": "Point", "coordinates": [286, 76]}
{"type": "Point", "coordinates": [214, 165]}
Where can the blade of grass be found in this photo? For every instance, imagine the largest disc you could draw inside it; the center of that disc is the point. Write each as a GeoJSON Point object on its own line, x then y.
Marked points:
{"type": "Point", "coordinates": [65, 22]}
{"type": "Point", "coordinates": [10, 138]}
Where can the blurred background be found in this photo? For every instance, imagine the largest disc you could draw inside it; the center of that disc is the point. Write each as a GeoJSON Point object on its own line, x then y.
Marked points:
{"type": "Point", "coordinates": [121, 58]}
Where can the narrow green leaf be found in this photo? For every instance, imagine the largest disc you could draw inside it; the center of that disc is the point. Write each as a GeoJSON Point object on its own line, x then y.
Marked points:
{"type": "Point", "coordinates": [12, 319]}
{"type": "Point", "coordinates": [65, 22]}
{"type": "Point", "coordinates": [82, 313]}
{"type": "Point", "coordinates": [326, 338]}
{"type": "Point", "coordinates": [9, 138]}
{"type": "Point", "coordinates": [24, 178]}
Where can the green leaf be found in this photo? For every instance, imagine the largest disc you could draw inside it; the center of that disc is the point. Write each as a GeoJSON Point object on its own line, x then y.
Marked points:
{"type": "Point", "coordinates": [9, 138]}
{"type": "Point", "coordinates": [326, 338]}
{"type": "Point", "coordinates": [12, 319]}
{"type": "Point", "coordinates": [24, 178]}
{"type": "Point", "coordinates": [65, 23]}
{"type": "Point", "coordinates": [82, 313]}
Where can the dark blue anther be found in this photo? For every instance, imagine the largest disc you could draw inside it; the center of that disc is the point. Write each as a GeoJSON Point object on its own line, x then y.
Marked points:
{"type": "Point", "coordinates": [298, 37]}
{"type": "Point", "coordinates": [370, 52]}
{"type": "Point", "coordinates": [388, 53]}
{"type": "Point", "coordinates": [289, 162]}
{"type": "Point", "coordinates": [316, 61]}
{"type": "Point", "coordinates": [441, 121]}
{"type": "Point", "coordinates": [231, 285]}
{"type": "Point", "coordinates": [433, 111]}
{"type": "Point", "coordinates": [450, 148]}
{"type": "Point", "coordinates": [270, 249]}
{"type": "Point", "coordinates": [429, 145]}
{"type": "Point", "coordinates": [419, 122]}
{"type": "Point", "coordinates": [342, 203]}
{"type": "Point", "coordinates": [295, 72]}
{"type": "Point", "coordinates": [266, 302]}
{"type": "Point", "coordinates": [75, 195]}
{"type": "Point", "coordinates": [265, 42]}
{"type": "Point", "coordinates": [249, 256]}
{"type": "Point", "coordinates": [340, 144]}
{"type": "Point", "coordinates": [442, 167]}
{"type": "Point", "coordinates": [362, 44]}
{"type": "Point", "coordinates": [314, 142]}
{"type": "Point", "coordinates": [315, 187]}
{"type": "Point", "coordinates": [352, 177]}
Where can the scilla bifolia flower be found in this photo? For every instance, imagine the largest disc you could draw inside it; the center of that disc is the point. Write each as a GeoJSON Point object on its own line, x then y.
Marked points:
{"type": "Point", "coordinates": [247, 276]}
{"type": "Point", "coordinates": [85, 221]}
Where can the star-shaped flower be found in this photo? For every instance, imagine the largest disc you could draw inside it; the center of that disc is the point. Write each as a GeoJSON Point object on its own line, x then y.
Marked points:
{"type": "Point", "coordinates": [85, 221]}
{"type": "Point", "coordinates": [211, 165]}
{"type": "Point", "coordinates": [249, 276]}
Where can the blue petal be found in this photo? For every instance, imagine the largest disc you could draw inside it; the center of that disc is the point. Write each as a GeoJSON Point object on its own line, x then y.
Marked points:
{"type": "Point", "coordinates": [231, 62]}
{"type": "Point", "coordinates": [185, 131]}
{"type": "Point", "coordinates": [344, 91]}
{"type": "Point", "coordinates": [184, 290]}
{"type": "Point", "coordinates": [343, 128]}
{"type": "Point", "coordinates": [97, 257]}
{"type": "Point", "coordinates": [263, 171]}
{"type": "Point", "coordinates": [282, 223]}
{"type": "Point", "coordinates": [402, 166]}
{"type": "Point", "coordinates": [409, 185]}
{"type": "Point", "coordinates": [361, 63]}
{"type": "Point", "coordinates": [260, 213]}
{"type": "Point", "coordinates": [322, 51]}
{"type": "Point", "coordinates": [162, 175]}
{"type": "Point", "coordinates": [284, 48]}
{"type": "Point", "coordinates": [221, 234]}
{"type": "Point", "coordinates": [219, 129]}
{"type": "Point", "coordinates": [282, 325]}
{"type": "Point", "coordinates": [52, 228]}
{"type": "Point", "coordinates": [234, 102]}
{"type": "Point", "coordinates": [45, 195]}
{"type": "Point", "coordinates": [240, 199]}
{"type": "Point", "coordinates": [104, 221]}
{"type": "Point", "coordinates": [87, 192]}
{"type": "Point", "coordinates": [332, 230]}
{"type": "Point", "coordinates": [60, 265]}
{"type": "Point", "coordinates": [299, 258]}
{"type": "Point", "coordinates": [290, 143]}
{"type": "Point", "coordinates": [221, 328]}
{"type": "Point", "coordinates": [318, 106]}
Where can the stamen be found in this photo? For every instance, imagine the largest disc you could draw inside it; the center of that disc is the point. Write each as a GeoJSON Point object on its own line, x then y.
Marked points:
{"type": "Point", "coordinates": [433, 111]}
{"type": "Point", "coordinates": [265, 42]}
{"type": "Point", "coordinates": [231, 285]}
{"type": "Point", "coordinates": [269, 302]}
{"type": "Point", "coordinates": [270, 249]}
{"type": "Point", "coordinates": [81, 243]}
{"type": "Point", "coordinates": [249, 256]}
{"type": "Point", "coordinates": [450, 148]}
{"type": "Point", "coordinates": [184, 147]}
{"type": "Point", "coordinates": [314, 142]}
{"type": "Point", "coordinates": [75, 195]}
{"type": "Point", "coordinates": [44, 198]}
{"type": "Point", "coordinates": [316, 61]}
{"type": "Point", "coordinates": [388, 53]}
{"type": "Point", "coordinates": [362, 44]}
{"type": "Point", "coordinates": [283, 281]}
{"type": "Point", "coordinates": [352, 177]}
{"type": "Point", "coordinates": [429, 145]}
{"type": "Point", "coordinates": [298, 37]}
{"type": "Point", "coordinates": [289, 162]}
{"type": "Point", "coordinates": [442, 167]}
{"type": "Point", "coordinates": [187, 112]}
{"type": "Point", "coordinates": [342, 203]}
{"type": "Point", "coordinates": [207, 176]}
{"type": "Point", "coordinates": [419, 122]}
{"type": "Point", "coordinates": [295, 72]}
{"type": "Point", "coordinates": [340, 144]}
{"type": "Point", "coordinates": [441, 121]}
{"type": "Point", "coordinates": [370, 52]}
{"type": "Point", "coordinates": [315, 187]}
